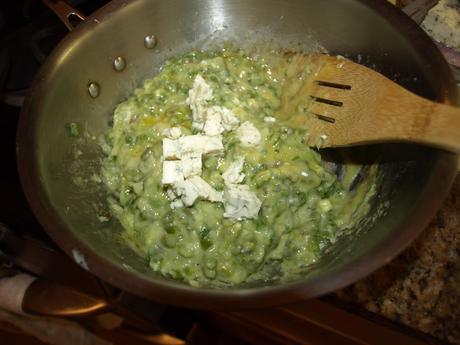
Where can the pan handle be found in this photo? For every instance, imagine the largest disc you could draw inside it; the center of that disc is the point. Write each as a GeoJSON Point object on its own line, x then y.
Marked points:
{"type": "Point", "coordinates": [66, 13]}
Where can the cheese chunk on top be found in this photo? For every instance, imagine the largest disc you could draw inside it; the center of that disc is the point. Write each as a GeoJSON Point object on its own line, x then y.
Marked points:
{"type": "Point", "coordinates": [194, 188]}
{"type": "Point", "coordinates": [213, 125]}
{"type": "Point", "coordinates": [234, 175]}
{"type": "Point", "coordinates": [172, 172]}
{"type": "Point", "coordinates": [178, 170]}
{"type": "Point", "coordinates": [183, 166]}
{"type": "Point", "coordinates": [198, 97]}
{"type": "Point", "coordinates": [172, 133]}
{"type": "Point", "coordinates": [191, 145]}
{"type": "Point", "coordinates": [219, 120]}
{"type": "Point", "coordinates": [248, 134]}
{"type": "Point", "coordinates": [240, 202]}
{"type": "Point", "coordinates": [191, 166]}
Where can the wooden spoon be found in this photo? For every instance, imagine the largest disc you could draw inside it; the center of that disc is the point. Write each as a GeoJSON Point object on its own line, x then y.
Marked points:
{"type": "Point", "coordinates": [342, 103]}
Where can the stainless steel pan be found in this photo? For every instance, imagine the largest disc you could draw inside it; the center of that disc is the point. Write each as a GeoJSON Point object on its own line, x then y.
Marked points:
{"type": "Point", "coordinates": [111, 52]}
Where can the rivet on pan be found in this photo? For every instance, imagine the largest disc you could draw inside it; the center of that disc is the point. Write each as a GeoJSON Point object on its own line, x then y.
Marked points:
{"type": "Point", "coordinates": [119, 64]}
{"type": "Point", "coordinates": [94, 89]}
{"type": "Point", "coordinates": [150, 41]}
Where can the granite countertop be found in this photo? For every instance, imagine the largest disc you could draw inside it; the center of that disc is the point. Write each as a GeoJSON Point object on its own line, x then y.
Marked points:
{"type": "Point", "coordinates": [421, 287]}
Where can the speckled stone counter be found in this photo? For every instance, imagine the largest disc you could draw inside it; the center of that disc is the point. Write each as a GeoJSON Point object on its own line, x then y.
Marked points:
{"type": "Point", "coordinates": [421, 287]}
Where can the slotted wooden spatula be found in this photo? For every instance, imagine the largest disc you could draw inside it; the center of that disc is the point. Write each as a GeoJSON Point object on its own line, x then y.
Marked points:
{"type": "Point", "coordinates": [342, 103]}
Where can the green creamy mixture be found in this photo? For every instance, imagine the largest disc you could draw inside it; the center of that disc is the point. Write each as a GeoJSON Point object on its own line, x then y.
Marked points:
{"type": "Point", "coordinates": [304, 206]}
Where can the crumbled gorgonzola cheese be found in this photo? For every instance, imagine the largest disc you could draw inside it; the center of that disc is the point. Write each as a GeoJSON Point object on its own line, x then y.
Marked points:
{"type": "Point", "coordinates": [183, 166]}
{"type": "Point", "coordinates": [248, 134]}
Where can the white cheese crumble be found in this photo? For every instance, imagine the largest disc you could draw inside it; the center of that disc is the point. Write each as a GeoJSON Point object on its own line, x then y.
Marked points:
{"type": "Point", "coordinates": [248, 134]}
{"type": "Point", "coordinates": [443, 23]}
{"type": "Point", "coordinates": [213, 124]}
{"type": "Point", "coordinates": [227, 117]}
{"type": "Point", "coordinates": [172, 172]}
{"type": "Point", "coordinates": [186, 191]}
{"type": "Point", "coordinates": [171, 149]}
{"type": "Point", "coordinates": [200, 144]}
{"type": "Point", "coordinates": [240, 202]}
{"type": "Point", "coordinates": [177, 203]}
{"type": "Point", "coordinates": [205, 190]}
{"type": "Point", "coordinates": [219, 120]}
{"type": "Point", "coordinates": [183, 166]}
{"type": "Point", "coordinates": [234, 175]}
{"type": "Point", "coordinates": [172, 133]}
{"type": "Point", "coordinates": [182, 156]}
{"type": "Point", "coordinates": [178, 170]}
{"type": "Point", "coordinates": [194, 188]}
{"type": "Point", "coordinates": [191, 165]}
{"type": "Point", "coordinates": [194, 145]}
{"type": "Point", "coordinates": [198, 97]}
{"type": "Point", "coordinates": [211, 120]}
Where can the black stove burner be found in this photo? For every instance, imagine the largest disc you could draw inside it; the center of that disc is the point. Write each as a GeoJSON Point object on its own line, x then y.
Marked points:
{"type": "Point", "coordinates": [29, 31]}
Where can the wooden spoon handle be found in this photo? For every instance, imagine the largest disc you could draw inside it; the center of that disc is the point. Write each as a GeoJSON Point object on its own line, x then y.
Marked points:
{"type": "Point", "coordinates": [400, 115]}
{"type": "Point", "coordinates": [406, 116]}
{"type": "Point", "coordinates": [439, 125]}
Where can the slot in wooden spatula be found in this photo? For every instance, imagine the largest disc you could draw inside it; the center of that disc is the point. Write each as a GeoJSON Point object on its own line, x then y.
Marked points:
{"type": "Point", "coordinates": [342, 103]}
